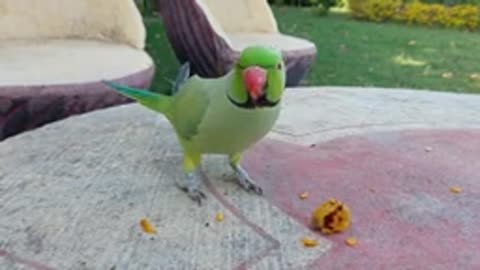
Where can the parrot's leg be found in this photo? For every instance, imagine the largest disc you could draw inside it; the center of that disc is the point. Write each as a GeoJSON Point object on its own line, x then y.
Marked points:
{"type": "Point", "coordinates": [243, 178]}
{"type": "Point", "coordinates": [191, 163]}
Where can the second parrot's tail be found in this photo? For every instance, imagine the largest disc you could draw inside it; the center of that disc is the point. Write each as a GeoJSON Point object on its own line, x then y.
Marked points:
{"type": "Point", "coordinates": [157, 102]}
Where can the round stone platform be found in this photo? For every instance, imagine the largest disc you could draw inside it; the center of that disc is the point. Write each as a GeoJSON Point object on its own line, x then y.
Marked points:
{"type": "Point", "coordinates": [73, 192]}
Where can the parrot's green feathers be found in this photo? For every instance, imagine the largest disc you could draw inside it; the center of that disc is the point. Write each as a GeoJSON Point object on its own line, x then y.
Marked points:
{"type": "Point", "coordinates": [276, 84]}
{"type": "Point", "coordinates": [260, 56]}
{"type": "Point", "coordinates": [154, 101]}
{"type": "Point", "coordinates": [182, 76]}
{"type": "Point", "coordinates": [222, 115]}
{"type": "Point", "coordinates": [237, 92]}
{"type": "Point", "coordinates": [194, 104]}
{"type": "Point", "coordinates": [271, 61]}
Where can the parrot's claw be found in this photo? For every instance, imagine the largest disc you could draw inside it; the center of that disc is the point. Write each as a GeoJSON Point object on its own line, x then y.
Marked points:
{"type": "Point", "coordinates": [246, 182]}
{"type": "Point", "coordinates": [192, 188]}
{"type": "Point", "coordinates": [196, 195]}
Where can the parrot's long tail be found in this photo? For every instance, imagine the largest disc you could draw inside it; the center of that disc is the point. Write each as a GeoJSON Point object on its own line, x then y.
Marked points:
{"type": "Point", "coordinates": [157, 102]}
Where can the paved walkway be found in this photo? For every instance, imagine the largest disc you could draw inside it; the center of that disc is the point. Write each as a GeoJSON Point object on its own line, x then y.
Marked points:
{"type": "Point", "coordinates": [72, 193]}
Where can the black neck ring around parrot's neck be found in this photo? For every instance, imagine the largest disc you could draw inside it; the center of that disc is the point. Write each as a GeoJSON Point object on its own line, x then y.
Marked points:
{"type": "Point", "coordinates": [261, 103]}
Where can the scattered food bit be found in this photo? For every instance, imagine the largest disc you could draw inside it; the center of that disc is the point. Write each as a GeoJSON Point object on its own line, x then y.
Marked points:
{"type": "Point", "coordinates": [372, 190]}
{"type": "Point", "coordinates": [219, 217]}
{"type": "Point", "coordinates": [303, 195]}
{"type": "Point", "coordinates": [412, 42]}
{"type": "Point", "coordinates": [147, 227]}
{"type": "Point", "coordinates": [309, 242]}
{"type": "Point", "coordinates": [312, 145]}
{"type": "Point", "coordinates": [428, 149]}
{"type": "Point", "coordinates": [207, 224]}
{"type": "Point", "coordinates": [447, 75]}
{"type": "Point", "coordinates": [456, 190]}
{"type": "Point", "coordinates": [331, 217]}
{"type": "Point", "coordinates": [351, 241]}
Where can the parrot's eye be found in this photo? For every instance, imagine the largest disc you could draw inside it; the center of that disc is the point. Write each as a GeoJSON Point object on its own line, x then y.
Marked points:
{"type": "Point", "coordinates": [279, 66]}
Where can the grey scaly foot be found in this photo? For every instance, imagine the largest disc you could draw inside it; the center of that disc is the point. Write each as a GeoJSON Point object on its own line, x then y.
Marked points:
{"type": "Point", "coordinates": [245, 181]}
{"type": "Point", "coordinates": [192, 188]}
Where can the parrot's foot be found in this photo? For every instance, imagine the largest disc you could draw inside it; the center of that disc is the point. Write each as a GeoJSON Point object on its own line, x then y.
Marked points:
{"type": "Point", "coordinates": [192, 188]}
{"type": "Point", "coordinates": [196, 195]}
{"type": "Point", "coordinates": [245, 181]}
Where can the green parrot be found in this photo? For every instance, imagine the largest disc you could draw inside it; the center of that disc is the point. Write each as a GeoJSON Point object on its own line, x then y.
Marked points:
{"type": "Point", "coordinates": [224, 115]}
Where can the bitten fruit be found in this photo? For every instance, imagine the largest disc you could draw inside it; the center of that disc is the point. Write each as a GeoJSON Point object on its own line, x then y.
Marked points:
{"type": "Point", "coordinates": [331, 217]}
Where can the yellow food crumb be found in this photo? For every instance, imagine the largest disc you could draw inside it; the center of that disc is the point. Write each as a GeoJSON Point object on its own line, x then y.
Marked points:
{"type": "Point", "coordinates": [456, 190]}
{"type": "Point", "coordinates": [309, 242]}
{"type": "Point", "coordinates": [147, 227]}
{"type": "Point", "coordinates": [219, 217]}
{"type": "Point", "coordinates": [303, 195]}
{"type": "Point", "coordinates": [331, 217]}
{"type": "Point", "coordinates": [351, 241]}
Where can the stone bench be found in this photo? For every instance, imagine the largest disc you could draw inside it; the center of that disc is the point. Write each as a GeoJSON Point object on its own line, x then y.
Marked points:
{"type": "Point", "coordinates": [54, 54]}
{"type": "Point", "coordinates": [224, 28]}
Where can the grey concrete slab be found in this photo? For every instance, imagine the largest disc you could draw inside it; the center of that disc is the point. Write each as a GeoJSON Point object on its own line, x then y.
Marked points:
{"type": "Point", "coordinates": [316, 114]}
{"type": "Point", "coordinates": [72, 197]}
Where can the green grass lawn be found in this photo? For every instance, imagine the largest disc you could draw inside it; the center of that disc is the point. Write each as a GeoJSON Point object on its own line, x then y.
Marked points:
{"type": "Point", "coordinates": [353, 53]}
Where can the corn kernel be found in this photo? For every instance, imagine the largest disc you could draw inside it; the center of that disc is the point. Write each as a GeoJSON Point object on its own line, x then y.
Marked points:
{"type": "Point", "coordinates": [219, 217]}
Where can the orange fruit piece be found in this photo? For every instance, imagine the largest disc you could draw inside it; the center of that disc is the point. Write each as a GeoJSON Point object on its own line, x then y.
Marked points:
{"type": "Point", "coordinates": [351, 241]}
{"type": "Point", "coordinates": [456, 190]}
{"type": "Point", "coordinates": [303, 195]}
{"type": "Point", "coordinates": [309, 242]}
{"type": "Point", "coordinates": [147, 227]}
{"type": "Point", "coordinates": [331, 217]}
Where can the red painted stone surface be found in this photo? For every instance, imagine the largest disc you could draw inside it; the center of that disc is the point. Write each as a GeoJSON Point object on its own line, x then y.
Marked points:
{"type": "Point", "coordinates": [404, 215]}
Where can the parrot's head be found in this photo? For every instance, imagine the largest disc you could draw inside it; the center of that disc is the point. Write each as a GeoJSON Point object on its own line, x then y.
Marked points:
{"type": "Point", "coordinates": [259, 78]}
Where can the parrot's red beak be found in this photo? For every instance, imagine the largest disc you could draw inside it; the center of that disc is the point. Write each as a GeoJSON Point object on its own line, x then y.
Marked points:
{"type": "Point", "coordinates": [255, 79]}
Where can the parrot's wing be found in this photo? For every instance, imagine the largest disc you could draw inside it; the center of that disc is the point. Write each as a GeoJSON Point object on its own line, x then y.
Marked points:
{"type": "Point", "coordinates": [182, 76]}
{"type": "Point", "coordinates": [191, 104]}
